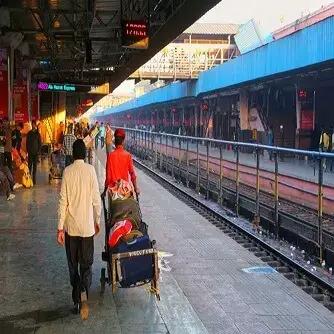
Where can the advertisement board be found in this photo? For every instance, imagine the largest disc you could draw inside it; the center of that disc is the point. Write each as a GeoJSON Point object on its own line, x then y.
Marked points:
{"type": "Point", "coordinates": [20, 101]}
{"type": "Point", "coordinates": [3, 84]}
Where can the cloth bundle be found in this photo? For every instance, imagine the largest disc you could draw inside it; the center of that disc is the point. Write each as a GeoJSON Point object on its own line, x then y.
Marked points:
{"type": "Point", "coordinates": [21, 171]}
{"type": "Point", "coordinates": [121, 190]}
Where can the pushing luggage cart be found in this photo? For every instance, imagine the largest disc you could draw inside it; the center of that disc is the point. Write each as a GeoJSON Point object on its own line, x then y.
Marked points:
{"type": "Point", "coordinates": [57, 164]}
{"type": "Point", "coordinates": [132, 262]}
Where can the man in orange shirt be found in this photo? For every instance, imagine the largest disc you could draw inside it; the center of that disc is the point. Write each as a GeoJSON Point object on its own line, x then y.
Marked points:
{"type": "Point", "coordinates": [120, 164]}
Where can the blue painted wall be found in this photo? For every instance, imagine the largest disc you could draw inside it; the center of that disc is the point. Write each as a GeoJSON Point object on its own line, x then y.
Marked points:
{"type": "Point", "coordinates": [174, 91]}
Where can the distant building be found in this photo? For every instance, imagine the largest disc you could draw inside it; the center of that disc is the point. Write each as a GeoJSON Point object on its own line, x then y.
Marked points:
{"type": "Point", "coordinates": [201, 47]}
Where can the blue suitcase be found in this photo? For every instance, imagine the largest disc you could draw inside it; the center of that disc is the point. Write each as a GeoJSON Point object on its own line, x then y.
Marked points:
{"type": "Point", "coordinates": [138, 269]}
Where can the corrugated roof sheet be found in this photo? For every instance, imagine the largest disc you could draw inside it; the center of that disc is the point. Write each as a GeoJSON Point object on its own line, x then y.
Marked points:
{"type": "Point", "coordinates": [213, 29]}
{"type": "Point", "coordinates": [306, 47]}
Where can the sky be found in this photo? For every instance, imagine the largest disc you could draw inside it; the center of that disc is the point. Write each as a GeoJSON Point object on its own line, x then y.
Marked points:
{"type": "Point", "coordinates": [268, 14]}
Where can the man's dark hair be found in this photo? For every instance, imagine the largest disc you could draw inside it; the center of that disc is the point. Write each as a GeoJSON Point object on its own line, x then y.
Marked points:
{"type": "Point", "coordinates": [119, 141]}
{"type": "Point", "coordinates": [79, 150]}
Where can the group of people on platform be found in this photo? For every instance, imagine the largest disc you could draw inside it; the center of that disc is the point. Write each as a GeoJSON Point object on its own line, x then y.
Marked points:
{"type": "Point", "coordinates": [80, 205]}
{"type": "Point", "coordinates": [18, 157]}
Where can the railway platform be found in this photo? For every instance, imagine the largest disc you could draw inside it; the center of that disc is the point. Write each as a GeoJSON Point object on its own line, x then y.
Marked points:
{"type": "Point", "coordinates": [206, 282]}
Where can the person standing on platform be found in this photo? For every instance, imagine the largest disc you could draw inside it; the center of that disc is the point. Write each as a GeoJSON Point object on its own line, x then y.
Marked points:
{"type": "Point", "coordinates": [270, 141]}
{"type": "Point", "coordinates": [324, 141]}
{"type": "Point", "coordinates": [120, 164]}
{"type": "Point", "coordinates": [33, 149]}
{"type": "Point", "coordinates": [331, 145]}
{"type": "Point", "coordinates": [17, 137]}
{"type": "Point", "coordinates": [97, 137]}
{"type": "Point", "coordinates": [69, 140]}
{"type": "Point", "coordinates": [324, 144]}
{"type": "Point", "coordinates": [102, 134]}
{"type": "Point", "coordinates": [79, 220]}
{"type": "Point", "coordinates": [109, 138]}
{"type": "Point", "coordinates": [7, 141]}
{"type": "Point", "coordinates": [7, 183]}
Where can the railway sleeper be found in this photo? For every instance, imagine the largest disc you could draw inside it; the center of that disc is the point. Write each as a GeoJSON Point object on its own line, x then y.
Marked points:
{"type": "Point", "coordinates": [283, 269]}
{"type": "Point", "coordinates": [254, 248]}
{"type": "Point", "coordinates": [319, 297]}
{"type": "Point", "coordinates": [261, 253]}
{"type": "Point", "coordinates": [309, 289]}
{"type": "Point", "coordinates": [274, 264]}
{"type": "Point", "coordinates": [301, 282]}
{"type": "Point", "coordinates": [290, 275]}
{"type": "Point", "coordinates": [247, 244]}
{"type": "Point", "coordinates": [267, 258]}
{"type": "Point", "coordinates": [329, 305]}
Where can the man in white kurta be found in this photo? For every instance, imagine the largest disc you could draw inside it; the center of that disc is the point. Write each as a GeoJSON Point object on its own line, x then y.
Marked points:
{"type": "Point", "coordinates": [79, 220]}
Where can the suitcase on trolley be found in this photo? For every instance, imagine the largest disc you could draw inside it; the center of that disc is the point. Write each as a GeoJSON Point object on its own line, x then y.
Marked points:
{"type": "Point", "coordinates": [130, 264]}
{"type": "Point", "coordinates": [137, 269]}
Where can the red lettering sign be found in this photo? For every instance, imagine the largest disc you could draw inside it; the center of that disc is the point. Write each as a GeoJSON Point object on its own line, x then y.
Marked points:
{"type": "Point", "coordinates": [306, 120]}
{"type": "Point", "coordinates": [20, 101]}
{"type": "Point", "coordinates": [3, 84]}
{"type": "Point", "coordinates": [34, 105]}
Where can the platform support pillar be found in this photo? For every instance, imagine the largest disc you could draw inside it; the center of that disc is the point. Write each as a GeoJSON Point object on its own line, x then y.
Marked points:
{"type": "Point", "coordinates": [198, 167]}
{"type": "Point", "coordinates": [276, 195]}
{"type": "Point", "coordinates": [155, 150]}
{"type": "Point", "coordinates": [160, 153]}
{"type": "Point", "coordinates": [207, 169]}
{"type": "Point", "coordinates": [196, 120]}
{"type": "Point", "coordinates": [256, 220]}
{"type": "Point", "coordinates": [180, 147]}
{"type": "Point", "coordinates": [166, 153]}
{"type": "Point", "coordinates": [187, 157]}
{"type": "Point", "coordinates": [237, 181]}
{"type": "Point", "coordinates": [244, 109]}
{"type": "Point", "coordinates": [320, 208]}
{"type": "Point", "coordinates": [221, 175]}
{"type": "Point", "coordinates": [146, 144]}
{"type": "Point", "coordinates": [172, 155]}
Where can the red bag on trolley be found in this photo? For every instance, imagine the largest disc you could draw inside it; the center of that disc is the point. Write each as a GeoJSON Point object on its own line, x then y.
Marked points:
{"type": "Point", "coordinates": [119, 230]}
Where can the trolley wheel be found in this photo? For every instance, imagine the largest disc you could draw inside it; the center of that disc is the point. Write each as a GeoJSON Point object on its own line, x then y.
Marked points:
{"type": "Point", "coordinates": [103, 280]}
{"type": "Point", "coordinates": [158, 296]}
{"type": "Point", "coordinates": [49, 179]}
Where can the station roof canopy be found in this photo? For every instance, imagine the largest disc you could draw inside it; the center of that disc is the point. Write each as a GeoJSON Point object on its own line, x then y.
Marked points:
{"type": "Point", "coordinates": [80, 40]}
{"type": "Point", "coordinates": [289, 59]}
{"type": "Point", "coordinates": [213, 29]}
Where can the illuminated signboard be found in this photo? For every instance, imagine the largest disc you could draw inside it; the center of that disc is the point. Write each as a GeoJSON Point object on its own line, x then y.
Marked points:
{"type": "Point", "coordinates": [73, 88]}
{"type": "Point", "coordinates": [56, 87]}
{"type": "Point", "coordinates": [302, 94]}
{"type": "Point", "coordinates": [135, 34]}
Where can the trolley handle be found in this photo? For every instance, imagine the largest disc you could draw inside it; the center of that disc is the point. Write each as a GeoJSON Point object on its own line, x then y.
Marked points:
{"type": "Point", "coordinates": [103, 198]}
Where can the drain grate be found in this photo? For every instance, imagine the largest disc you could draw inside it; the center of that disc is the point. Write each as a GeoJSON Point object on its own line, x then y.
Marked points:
{"type": "Point", "coordinates": [259, 270]}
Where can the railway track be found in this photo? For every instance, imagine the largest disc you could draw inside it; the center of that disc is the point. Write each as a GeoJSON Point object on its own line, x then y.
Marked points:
{"type": "Point", "coordinates": [293, 218]}
{"type": "Point", "coordinates": [320, 287]}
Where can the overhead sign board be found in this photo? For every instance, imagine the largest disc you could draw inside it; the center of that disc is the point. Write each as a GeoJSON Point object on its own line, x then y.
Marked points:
{"type": "Point", "coordinates": [56, 87]}
{"type": "Point", "coordinates": [73, 88]}
{"type": "Point", "coordinates": [135, 34]}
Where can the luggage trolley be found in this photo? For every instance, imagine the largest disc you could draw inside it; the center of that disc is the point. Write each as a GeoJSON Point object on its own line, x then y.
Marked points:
{"type": "Point", "coordinates": [57, 159]}
{"type": "Point", "coordinates": [130, 264]}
